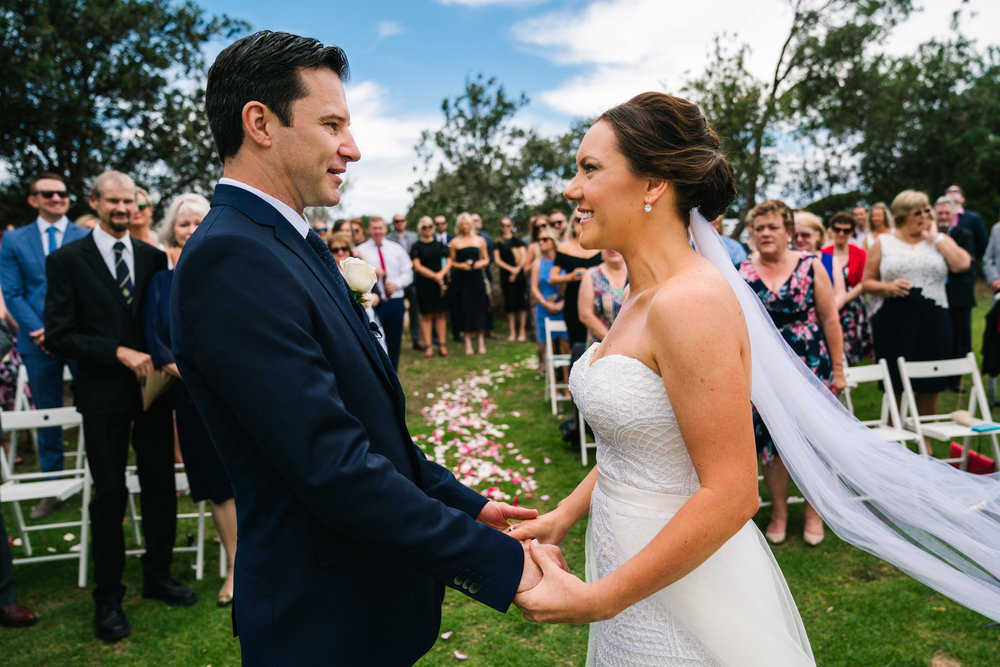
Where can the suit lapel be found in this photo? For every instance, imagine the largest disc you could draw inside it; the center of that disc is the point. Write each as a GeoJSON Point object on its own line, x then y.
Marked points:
{"type": "Point", "coordinates": [96, 262]}
{"type": "Point", "coordinates": [35, 244]}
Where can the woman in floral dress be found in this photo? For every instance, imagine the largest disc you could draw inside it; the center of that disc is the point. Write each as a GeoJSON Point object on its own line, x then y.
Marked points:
{"type": "Point", "coordinates": [797, 293]}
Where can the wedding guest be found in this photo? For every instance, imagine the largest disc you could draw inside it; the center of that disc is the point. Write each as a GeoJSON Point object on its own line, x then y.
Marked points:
{"type": "Point", "coordinates": [101, 328]}
{"type": "Point", "coordinates": [991, 259]}
{"type": "Point", "coordinates": [960, 285]}
{"type": "Point", "coordinates": [557, 221]}
{"type": "Point", "coordinates": [908, 268]}
{"type": "Point", "coordinates": [796, 291]}
{"type": "Point", "coordinates": [539, 223]}
{"type": "Point", "coordinates": [737, 253]}
{"type": "Point", "coordinates": [395, 273]}
{"type": "Point", "coordinates": [87, 220]}
{"type": "Point", "coordinates": [321, 228]}
{"type": "Point", "coordinates": [572, 261]}
{"type": "Point", "coordinates": [207, 477]}
{"type": "Point", "coordinates": [860, 216]}
{"type": "Point", "coordinates": [340, 225]}
{"type": "Point", "coordinates": [142, 220]}
{"type": "Point", "coordinates": [969, 220]}
{"type": "Point", "coordinates": [810, 236]}
{"type": "Point", "coordinates": [509, 255]}
{"type": "Point", "coordinates": [468, 259]}
{"type": "Point", "coordinates": [849, 265]}
{"type": "Point", "coordinates": [431, 264]}
{"type": "Point", "coordinates": [601, 293]}
{"type": "Point", "coordinates": [549, 303]}
{"type": "Point", "coordinates": [22, 277]}
{"type": "Point", "coordinates": [12, 614]}
{"type": "Point", "coordinates": [441, 230]}
{"type": "Point", "coordinates": [881, 223]}
{"type": "Point", "coordinates": [358, 235]}
{"type": "Point", "coordinates": [406, 238]}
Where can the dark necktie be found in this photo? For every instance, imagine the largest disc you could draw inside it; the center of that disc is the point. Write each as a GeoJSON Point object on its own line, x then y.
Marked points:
{"type": "Point", "coordinates": [122, 274]}
{"type": "Point", "coordinates": [321, 249]}
{"type": "Point", "coordinates": [53, 243]}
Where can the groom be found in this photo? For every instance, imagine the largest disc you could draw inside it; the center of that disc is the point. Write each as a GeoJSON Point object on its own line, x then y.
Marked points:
{"type": "Point", "coordinates": [347, 533]}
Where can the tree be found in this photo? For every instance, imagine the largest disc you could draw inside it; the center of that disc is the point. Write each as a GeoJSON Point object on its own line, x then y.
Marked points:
{"type": "Point", "coordinates": [826, 41]}
{"type": "Point", "coordinates": [95, 84]}
{"type": "Point", "coordinates": [485, 163]}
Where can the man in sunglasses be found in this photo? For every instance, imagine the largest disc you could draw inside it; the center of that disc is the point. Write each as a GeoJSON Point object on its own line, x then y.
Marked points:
{"type": "Point", "coordinates": [22, 274]}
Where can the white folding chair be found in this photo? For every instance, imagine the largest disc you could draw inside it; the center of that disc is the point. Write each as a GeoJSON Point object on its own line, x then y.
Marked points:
{"type": "Point", "coordinates": [585, 443]}
{"type": "Point", "coordinates": [17, 488]}
{"type": "Point", "coordinates": [21, 402]}
{"type": "Point", "coordinates": [941, 426]}
{"type": "Point", "coordinates": [554, 361]}
{"type": "Point", "coordinates": [182, 486]}
{"type": "Point", "coordinates": [889, 425]}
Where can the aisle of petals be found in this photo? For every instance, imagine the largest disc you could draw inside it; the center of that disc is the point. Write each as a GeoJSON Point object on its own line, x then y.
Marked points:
{"type": "Point", "coordinates": [463, 439]}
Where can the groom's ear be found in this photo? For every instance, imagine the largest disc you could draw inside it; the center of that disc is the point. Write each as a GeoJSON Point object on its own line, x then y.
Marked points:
{"type": "Point", "coordinates": [258, 122]}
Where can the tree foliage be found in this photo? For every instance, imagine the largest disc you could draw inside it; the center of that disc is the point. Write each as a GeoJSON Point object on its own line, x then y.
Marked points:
{"type": "Point", "coordinates": [90, 85]}
{"type": "Point", "coordinates": [487, 164]}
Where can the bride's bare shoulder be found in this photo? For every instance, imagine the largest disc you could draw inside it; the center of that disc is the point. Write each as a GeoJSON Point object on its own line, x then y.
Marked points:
{"type": "Point", "coordinates": [697, 297]}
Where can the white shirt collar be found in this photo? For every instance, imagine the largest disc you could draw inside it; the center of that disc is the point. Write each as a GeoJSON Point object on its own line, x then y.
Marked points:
{"type": "Point", "coordinates": [106, 242]}
{"type": "Point", "coordinates": [59, 224]}
{"type": "Point", "coordinates": [297, 221]}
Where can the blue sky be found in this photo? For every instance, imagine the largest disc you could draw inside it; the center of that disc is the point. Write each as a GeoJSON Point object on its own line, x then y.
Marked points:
{"type": "Point", "coordinates": [573, 58]}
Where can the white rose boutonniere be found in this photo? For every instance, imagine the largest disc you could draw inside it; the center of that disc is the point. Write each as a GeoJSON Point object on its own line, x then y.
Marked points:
{"type": "Point", "coordinates": [360, 278]}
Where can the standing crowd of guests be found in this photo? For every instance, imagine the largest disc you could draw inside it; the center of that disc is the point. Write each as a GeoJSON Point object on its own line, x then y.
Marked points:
{"type": "Point", "coordinates": [94, 297]}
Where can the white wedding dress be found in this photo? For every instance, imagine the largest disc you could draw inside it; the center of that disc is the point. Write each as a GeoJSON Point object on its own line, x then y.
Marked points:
{"type": "Point", "coordinates": [734, 609]}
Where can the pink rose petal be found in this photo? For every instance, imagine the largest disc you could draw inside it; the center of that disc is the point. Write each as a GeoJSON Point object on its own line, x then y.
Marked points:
{"type": "Point", "coordinates": [460, 656]}
{"type": "Point", "coordinates": [446, 635]}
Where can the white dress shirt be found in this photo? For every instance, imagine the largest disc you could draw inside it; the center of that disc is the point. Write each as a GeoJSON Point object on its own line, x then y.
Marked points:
{"type": "Point", "coordinates": [43, 229]}
{"type": "Point", "coordinates": [106, 246]}
{"type": "Point", "coordinates": [398, 265]}
{"type": "Point", "coordinates": [297, 221]}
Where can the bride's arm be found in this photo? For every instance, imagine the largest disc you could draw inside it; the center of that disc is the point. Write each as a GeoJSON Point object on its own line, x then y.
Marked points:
{"type": "Point", "coordinates": [552, 527]}
{"type": "Point", "coordinates": [704, 375]}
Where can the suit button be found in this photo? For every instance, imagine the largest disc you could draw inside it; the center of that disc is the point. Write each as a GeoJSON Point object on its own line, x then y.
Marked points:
{"type": "Point", "coordinates": [465, 584]}
{"type": "Point", "coordinates": [459, 580]}
{"type": "Point", "coordinates": [474, 588]}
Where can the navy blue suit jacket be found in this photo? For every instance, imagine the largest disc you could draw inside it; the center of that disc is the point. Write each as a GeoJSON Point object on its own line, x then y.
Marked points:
{"type": "Point", "coordinates": [347, 533]}
{"type": "Point", "coordinates": [22, 275]}
{"type": "Point", "coordinates": [973, 222]}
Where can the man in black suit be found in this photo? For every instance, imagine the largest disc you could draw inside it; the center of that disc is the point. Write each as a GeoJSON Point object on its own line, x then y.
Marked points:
{"type": "Point", "coordinates": [970, 221]}
{"type": "Point", "coordinates": [960, 286]}
{"type": "Point", "coordinates": [93, 315]}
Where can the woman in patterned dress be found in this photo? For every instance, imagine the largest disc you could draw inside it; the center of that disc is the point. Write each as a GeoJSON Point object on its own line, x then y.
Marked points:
{"type": "Point", "coordinates": [797, 293]}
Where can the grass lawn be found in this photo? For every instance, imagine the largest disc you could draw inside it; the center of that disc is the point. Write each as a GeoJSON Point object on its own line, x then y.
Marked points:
{"type": "Point", "coordinates": [857, 609]}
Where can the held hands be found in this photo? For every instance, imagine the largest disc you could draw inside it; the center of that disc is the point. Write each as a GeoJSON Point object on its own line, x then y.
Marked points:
{"type": "Point", "coordinates": [558, 597]}
{"type": "Point", "coordinates": [547, 528]}
{"type": "Point", "coordinates": [532, 575]}
{"type": "Point", "coordinates": [497, 514]}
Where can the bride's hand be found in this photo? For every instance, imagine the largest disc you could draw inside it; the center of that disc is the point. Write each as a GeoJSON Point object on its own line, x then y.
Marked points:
{"type": "Point", "coordinates": [559, 597]}
{"type": "Point", "coordinates": [549, 528]}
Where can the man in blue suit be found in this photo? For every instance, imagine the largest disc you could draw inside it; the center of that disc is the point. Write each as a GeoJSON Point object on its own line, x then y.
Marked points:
{"type": "Point", "coordinates": [347, 532]}
{"type": "Point", "coordinates": [22, 275]}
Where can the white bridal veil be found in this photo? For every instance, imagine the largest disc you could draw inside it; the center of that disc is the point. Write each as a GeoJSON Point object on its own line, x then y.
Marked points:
{"type": "Point", "coordinates": [936, 523]}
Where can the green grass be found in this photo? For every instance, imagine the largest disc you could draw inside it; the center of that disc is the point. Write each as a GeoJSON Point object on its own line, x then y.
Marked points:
{"type": "Point", "coordinates": [856, 609]}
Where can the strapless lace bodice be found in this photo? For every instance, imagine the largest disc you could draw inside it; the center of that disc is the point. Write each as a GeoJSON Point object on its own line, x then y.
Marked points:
{"type": "Point", "coordinates": [638, 441]}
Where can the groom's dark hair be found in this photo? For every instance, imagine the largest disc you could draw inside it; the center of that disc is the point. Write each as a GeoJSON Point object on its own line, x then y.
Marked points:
{"type": "Point", "coordinates": [263, 67]}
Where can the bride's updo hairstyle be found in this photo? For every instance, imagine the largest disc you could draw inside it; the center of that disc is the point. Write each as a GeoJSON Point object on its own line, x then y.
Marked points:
{"type": "Point", "coordinates": [667, 137]}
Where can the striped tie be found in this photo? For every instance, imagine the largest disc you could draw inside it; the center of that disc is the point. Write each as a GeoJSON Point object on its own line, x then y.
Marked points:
{"type": "Point", "coordinates": [122, 274]}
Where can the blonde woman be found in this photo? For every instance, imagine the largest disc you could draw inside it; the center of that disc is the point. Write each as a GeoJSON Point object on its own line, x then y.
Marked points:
{"type": "Point", "coordinates": [469, 257]}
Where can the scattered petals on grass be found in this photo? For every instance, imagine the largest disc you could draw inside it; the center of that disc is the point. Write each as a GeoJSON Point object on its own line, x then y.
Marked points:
{"type": "Point", "coordinates": [461, 437]}
{"type": "Point", "coordinates": [69, 537]}
{"type": "Point", "coordinates": [460, 656]}
{"type": "Point", "coordinates": [446, 635]}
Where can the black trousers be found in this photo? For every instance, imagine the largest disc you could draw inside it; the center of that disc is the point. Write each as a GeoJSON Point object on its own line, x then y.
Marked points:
{"type": "Point", "coordinates": [107, 439]}
{"type": "Point", "coordinates": [961, 326]}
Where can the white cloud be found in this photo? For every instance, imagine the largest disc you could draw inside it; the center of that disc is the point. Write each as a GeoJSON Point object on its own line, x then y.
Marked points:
{"type": "Point", "coordinates": [630, 46]}
{"type": "Point", "coordinates": [377, 184]}
{"type": "Point", "coordinates": [389, 29]}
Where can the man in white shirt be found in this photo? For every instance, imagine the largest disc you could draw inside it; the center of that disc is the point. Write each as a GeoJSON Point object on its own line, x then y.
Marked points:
{"type": "Point", "coordinates": [404, 237]}
{"type": "Point", "coordinates": [22, 275]}
{"type": "Point", "coordinates": [394, 270]}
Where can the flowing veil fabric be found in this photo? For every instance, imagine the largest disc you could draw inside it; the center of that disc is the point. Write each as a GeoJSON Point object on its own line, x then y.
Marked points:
{"type": "Point", "coordinates": [936, 523]}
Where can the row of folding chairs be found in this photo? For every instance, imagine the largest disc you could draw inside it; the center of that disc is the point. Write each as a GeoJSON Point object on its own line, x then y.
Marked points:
{"type": "Point", "coordinates": [557, 391]}
{"type": "Point", "coordinates": [905, 425]}
{"type": "Point", "coordinates": [26, 488]}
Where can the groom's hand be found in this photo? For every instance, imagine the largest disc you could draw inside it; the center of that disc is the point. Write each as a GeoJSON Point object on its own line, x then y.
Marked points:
{"type": "Point", "coordinates": [559, 597]}
{"type": "Point", "coordinates": [496, 514]}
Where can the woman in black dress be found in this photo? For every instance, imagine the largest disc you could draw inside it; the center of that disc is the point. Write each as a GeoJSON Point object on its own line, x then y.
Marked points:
{"type": "Point", "coordinates": [572, 261]}
{"type": "Point", "coordinates": [509, 254]}
{"type": "Point", "coordinates": [206, 475]}
{"type": "Point", "coordinates": [430, 267]}
{"type": "Point", "coordinates": [468, 259]}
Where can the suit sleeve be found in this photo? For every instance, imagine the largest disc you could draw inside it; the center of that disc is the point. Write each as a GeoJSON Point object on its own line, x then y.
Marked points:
{"type": "Point", "coordinates": [15, 289]}
{"type": "Point", "coordinates": [64, 334]}
{"type": "Point", "coordinates": [991, 260]}
{"type": "Point", "coordinates": [300, 425]}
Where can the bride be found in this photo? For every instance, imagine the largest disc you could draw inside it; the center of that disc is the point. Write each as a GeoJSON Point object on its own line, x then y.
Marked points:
{"type": "Point", "coordinates": [677, 574]}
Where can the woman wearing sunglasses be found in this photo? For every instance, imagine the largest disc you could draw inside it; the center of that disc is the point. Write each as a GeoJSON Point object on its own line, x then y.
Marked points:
{"type": "Point", "coordinates": [431, 265]}
{"type": "Point", "coordinates": [849, 261]}
{"type": "Point", "coordinates": [141, 227]}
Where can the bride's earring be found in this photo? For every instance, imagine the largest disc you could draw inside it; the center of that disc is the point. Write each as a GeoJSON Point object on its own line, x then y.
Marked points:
{"type": "Point", "coordinates": [648, 207]}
